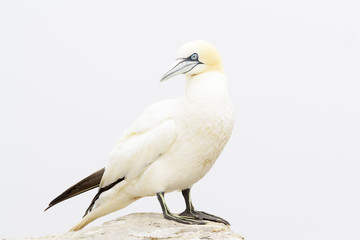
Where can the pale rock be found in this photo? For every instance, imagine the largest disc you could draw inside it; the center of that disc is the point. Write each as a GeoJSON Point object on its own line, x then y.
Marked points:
{"type": "Point", "coordinates": [147, 226]}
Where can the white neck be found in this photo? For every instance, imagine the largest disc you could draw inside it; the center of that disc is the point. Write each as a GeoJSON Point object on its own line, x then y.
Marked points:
{"type": "Point", "coordinates": [208, 85]}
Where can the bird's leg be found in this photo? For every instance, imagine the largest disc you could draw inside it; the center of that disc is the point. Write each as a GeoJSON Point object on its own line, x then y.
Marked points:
{"type": "Point", "coordinates": [168, 215]}
{"type": "Point", "coordinates": [190, 210]}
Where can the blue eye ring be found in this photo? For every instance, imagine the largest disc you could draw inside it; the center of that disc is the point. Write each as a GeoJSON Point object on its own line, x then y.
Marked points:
{"type": "Point", "coordinates": [194, 57]}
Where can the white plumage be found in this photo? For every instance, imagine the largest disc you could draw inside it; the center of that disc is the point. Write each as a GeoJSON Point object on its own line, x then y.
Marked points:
{"type": "Point", "coordinates": [174, 143]}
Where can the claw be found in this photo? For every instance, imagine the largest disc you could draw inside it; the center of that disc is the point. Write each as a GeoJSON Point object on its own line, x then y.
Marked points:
{"type": "Point", "coordinates": [191, 213]}
{"type": "Point", "coordinates": [184, 219]}
{"type": "Point", "coordinates": [204, 216]}
{"type": "Point", "coordinates": [180, 219]}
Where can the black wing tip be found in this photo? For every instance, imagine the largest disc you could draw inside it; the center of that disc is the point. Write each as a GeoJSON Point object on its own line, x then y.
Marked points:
{"type": "Point", "coordinates": [84, 185]}
{"type": "Point", "coordinates": [48, 207]}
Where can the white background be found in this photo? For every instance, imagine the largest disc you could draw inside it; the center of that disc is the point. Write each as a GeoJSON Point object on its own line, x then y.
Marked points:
{"type": "Point", "coordinates": [75, 74]}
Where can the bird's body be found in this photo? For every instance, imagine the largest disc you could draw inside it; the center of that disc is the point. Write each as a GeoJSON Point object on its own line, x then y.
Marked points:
{"type": "Point", "coordinates": [171, 146]}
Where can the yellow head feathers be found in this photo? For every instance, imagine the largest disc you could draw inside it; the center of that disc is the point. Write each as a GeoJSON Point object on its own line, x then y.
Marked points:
{"type": "Point", "coordinates": [194, 58]}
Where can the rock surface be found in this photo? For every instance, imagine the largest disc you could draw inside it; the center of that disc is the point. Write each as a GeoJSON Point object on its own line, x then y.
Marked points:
{"type": "Point", "coordinates": [149, 226]}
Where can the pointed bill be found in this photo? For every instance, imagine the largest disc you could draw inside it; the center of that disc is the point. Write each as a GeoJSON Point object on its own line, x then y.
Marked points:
{"type": "Point", "coordinates": [179, 67]}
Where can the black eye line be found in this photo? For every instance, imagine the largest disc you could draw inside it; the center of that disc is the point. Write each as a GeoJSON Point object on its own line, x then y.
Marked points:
{"type": "Point", "coordinates": [194, 60]}
{"type": "Point", "coordinates": [189, 59]}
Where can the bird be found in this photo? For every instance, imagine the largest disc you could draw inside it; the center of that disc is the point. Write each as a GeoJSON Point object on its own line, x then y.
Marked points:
{"type": "Point", "coordinates": [170, 146]}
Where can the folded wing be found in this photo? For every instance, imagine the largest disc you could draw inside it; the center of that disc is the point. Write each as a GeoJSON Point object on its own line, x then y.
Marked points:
{"type": "Point", "coordinates": [147, 139]}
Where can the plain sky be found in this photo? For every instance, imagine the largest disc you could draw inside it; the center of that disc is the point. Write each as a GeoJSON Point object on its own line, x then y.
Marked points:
{"type": "Point", "coordinates": [75, 74]}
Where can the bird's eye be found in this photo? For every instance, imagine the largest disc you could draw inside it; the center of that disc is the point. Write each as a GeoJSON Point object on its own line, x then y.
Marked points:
{"type": "Point", "coordinates": [194, 56]}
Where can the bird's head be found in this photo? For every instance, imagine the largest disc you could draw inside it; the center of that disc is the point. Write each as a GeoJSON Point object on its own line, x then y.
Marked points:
{"type": "Point", "coordinates": [194, 58]}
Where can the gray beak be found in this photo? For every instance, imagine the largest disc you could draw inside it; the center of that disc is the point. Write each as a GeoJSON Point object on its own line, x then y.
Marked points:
{"type": "Point", "coordinates": [179, 67]}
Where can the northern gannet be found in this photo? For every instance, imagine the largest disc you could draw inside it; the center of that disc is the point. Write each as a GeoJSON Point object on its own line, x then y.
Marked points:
{"type": "Point", "coordinates": [171, 146]}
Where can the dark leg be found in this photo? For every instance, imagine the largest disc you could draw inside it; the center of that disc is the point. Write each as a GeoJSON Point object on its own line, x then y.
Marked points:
{"type": "Point", "coordinates": [168, 215]}
{"type": "Point", "coordinates": [190, 210]}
